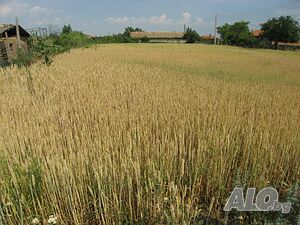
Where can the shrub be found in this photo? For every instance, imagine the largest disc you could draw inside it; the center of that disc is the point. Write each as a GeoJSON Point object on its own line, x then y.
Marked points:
{"type": "Point", "coordinates": [23, 58]}
{"type": "Point", "coordinates": [42, 49]}
{"type": "Point", "coordinates": [191, 36]}
{"type": "Point", "coordinates": [74, 39]}
{"type": "Point", "coordinates": [121, 37]}
{"type": "Point", "coordinates": [144, 39]}
{"type": "Point", "coordinates": [263, 43]}
{"type": "Point", "coordinates": [45, 48]}
{"type": "Point", "coordinates": [3, 64]}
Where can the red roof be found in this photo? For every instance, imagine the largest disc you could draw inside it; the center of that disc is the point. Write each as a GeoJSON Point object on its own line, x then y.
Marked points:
{"type": "Point", "coordinates": [257, 33]}
{"type": "Point", "coordinates": [208, 37]}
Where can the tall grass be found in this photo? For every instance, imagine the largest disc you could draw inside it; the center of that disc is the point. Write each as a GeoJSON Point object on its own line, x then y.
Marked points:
{"type": "Point", "coordinates": [145, 134]}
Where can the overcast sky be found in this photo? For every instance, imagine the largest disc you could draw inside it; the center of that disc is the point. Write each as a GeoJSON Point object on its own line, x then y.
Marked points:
{"type": "Point", "coordinates": [101, 17]}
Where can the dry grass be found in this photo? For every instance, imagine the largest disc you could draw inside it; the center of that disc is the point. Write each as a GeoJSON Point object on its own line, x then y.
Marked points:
{"type": "Point", "coordinates": [145, 134]}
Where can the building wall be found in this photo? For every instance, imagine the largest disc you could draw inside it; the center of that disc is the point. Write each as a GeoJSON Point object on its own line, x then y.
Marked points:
{"type": "Point", "coordinates": [153, 40]}
{"type": "Point", "coordinates": [288, 47]}
{"type": "Point", "coordinates": [3, 56]}
{"type": "Point", "coordinates": [11, 46]}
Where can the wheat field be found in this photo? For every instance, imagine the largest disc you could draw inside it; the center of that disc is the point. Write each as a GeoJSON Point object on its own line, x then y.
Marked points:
{"type": "Point", "coordinates": [146, 134]}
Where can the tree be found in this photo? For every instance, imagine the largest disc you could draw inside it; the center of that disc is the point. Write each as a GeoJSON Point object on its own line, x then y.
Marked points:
{"type": "Point", "coordinates": [144, 39]}
{"type": "Point", "coordinates": [191, 36]}
{"type": "Point", "coordinates": [237, 34]}
{"type": "Point", "coordinates": [282, 29]}
{"type": "Point", "coordinates": [67, 29]}
{"type": "Point", "coordinates": [128, 30]}
{"type": "Point", "coordinates": [226, 33]}
{"type": "Point", "coordinates": [126, 34]}
{"type": "Point", "coordinates": [72, 40]}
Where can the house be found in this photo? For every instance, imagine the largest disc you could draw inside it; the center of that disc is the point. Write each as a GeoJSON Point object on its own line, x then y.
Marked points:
{"type": "Point", "coordinates": [288, 46]}
{"type": "Point", "coordinates": [160, 37]}
{"type": "Point", "coordinates": [210, 39]}
{"type": "Point", "coordinates": [257, 33]}
{"type": "Point", "coordinates": [10, 43]}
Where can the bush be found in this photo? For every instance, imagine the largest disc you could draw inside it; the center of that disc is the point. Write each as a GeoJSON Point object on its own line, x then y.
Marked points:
{"type": "Point", "coordinates": [45, 48]}
{"type": "Point", "coordinates": [23, 58]}
{"type": "Point", "coordinates": [115, 38]}
{"type": "Point", "coordinates": [263, 43]}
{"type": "Point", "coordinates": [3, 64]}
{"type": "Point", "coordinates": [191, 36]}
{"type": "Point", "coordinates": [74, 39]}
{"type": "Point", "coordinates": [42, 49]}
{"type": "Point", "coordinates": [144, 40]}
{"type": "Point", "coordinates": [122, 37]}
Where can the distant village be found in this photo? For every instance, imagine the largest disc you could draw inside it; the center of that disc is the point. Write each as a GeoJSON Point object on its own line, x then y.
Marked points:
{"type": "Point", "coordinates": [14, 37]}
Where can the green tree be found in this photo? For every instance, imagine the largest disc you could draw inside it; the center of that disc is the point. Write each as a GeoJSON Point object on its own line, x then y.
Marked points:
{"type": "Point", "coordinates": [144, 39]}
{"type": "Point", "coordinates": [191, 36]}
{"type": "Point", "coordinates": [226, 33]}
{"type": "Point", "coordinates": [74, 39]}
{"type": "Point", "coordinates": [282, 29]}
{"type": "Point", "coordinates": [126, 34]}
{"type": "Point", "coordinates": [67, 29]}
{"type": "Point", "coordinates": [128, 30]}
{"type": "Point", "coordinates": [45, 49]}
{"type": "Point", "coordinates": [237, 34]}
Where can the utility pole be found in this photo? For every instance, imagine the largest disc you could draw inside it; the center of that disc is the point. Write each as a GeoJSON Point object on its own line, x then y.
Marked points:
{"type": "Point", "coordinates": [184, 28]}
{"type": "Point", "coordinates": [18, 33]}
{"type": "Point", "coordinates": [216, 19]}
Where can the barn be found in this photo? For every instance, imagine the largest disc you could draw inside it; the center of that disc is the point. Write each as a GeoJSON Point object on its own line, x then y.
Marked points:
{"type": "Point", "coordinates": [10, 42]}
{"type": "Point", "coordinates": [160, 37]}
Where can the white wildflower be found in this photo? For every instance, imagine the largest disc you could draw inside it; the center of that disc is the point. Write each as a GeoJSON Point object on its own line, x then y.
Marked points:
{"type": "Point", "coordinates": [166, 199]}
{"type": "Point", "coordinates": [35, 221]}
{"type": "Point", "coordinates": [52, 220]}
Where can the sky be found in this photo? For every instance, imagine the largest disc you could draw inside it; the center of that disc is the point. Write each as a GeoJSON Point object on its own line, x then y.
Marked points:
{"type": "Point", "coordinates": [101, 17]}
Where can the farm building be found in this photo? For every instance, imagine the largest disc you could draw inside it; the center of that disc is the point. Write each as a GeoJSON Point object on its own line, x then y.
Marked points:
{"type": "Point", "coordinates": [10, 43]}
{"type": "Point", "coordinates": [288, 46]}
{"type": "Point", "coordinates": [257, 33]}
{"type": "Point", "coordinates": [281, 45]}
{"type": "Point", "coordinates": [209, 39]}
{"type": "Point", "coordinates": [160, 37]}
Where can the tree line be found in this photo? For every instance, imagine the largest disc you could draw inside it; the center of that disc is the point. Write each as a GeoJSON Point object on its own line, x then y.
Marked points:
{"type": "Point", "coordinates": [283, 29]}
{"type": "Point", "coordinates": [275, 30]}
